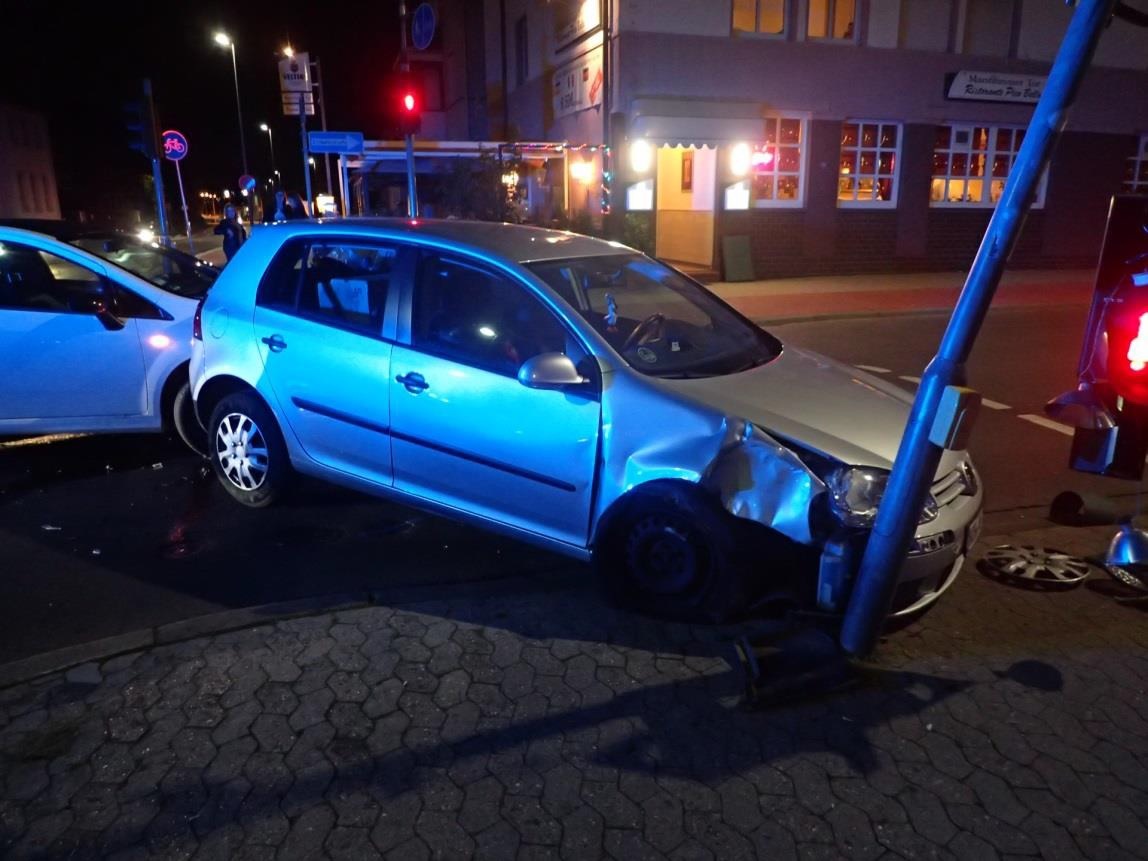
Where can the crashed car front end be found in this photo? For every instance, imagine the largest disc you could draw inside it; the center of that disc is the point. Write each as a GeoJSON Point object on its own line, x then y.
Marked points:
{"type": "Point", "coordinates": [812, 499]}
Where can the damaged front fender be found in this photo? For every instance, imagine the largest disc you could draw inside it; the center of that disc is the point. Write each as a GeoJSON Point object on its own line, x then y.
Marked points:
{"type": "Point", "coordinates": [759, 479]}
{"type": "Point", "coordinates": [754, 475]}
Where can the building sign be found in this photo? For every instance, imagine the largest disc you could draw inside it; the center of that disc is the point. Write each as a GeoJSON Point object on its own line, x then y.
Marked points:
{"type": "Point", "coordinates": [578, 84]}
{"type": "Point", "coordinates": [295, 84]}
{"type": "Point", "coordinates": [995, 87]}
{"type": "Point", "coordinates": [574, 19]}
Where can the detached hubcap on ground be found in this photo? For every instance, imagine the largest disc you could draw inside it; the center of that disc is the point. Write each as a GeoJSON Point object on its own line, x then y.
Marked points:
{"type": "Point", "coordinates": [242, 451]}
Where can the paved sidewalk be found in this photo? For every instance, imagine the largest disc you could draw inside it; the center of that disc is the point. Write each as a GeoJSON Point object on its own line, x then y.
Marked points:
{"type": "Point", "coordinates": [857, 295]}
{"type": "Point", "coordinates": [543, 724]}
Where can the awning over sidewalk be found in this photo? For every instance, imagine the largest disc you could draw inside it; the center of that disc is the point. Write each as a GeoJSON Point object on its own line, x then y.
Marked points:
{"type": "Point", "coordinates": [696, 122]}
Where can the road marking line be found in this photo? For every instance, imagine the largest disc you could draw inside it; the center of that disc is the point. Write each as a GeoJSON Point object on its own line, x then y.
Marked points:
{"type": "Point", "coordinates": [913, 380]}
{"type": "Point", "coordinates": [1048, 423]}
{"type": "Point", "coordinates": [873, 369]}
{"type": "Point", "coordinates": [995, 405]}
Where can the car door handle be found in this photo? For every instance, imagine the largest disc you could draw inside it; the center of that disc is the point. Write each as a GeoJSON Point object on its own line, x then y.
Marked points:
{"type": "Point", "coordinates": [413, 382]}
{"type": "Point", "coordinates": [275, 343]}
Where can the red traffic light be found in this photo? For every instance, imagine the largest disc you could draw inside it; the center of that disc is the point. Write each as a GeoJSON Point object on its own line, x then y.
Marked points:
{"type": "Point", "coordinates": [1126, 329]}
{"type": "Point", "coordinates": [409, 102]}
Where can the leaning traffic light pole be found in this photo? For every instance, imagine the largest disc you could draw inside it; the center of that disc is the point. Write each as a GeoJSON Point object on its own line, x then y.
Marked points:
{"type": "Point", "coordinates": [143, 132]}
{"type": "Point", "coordinates": [919, 454]}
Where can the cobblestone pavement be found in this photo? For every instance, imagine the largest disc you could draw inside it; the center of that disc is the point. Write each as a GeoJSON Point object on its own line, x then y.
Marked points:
{"type": "Point", "coordinates": [1005, 723]}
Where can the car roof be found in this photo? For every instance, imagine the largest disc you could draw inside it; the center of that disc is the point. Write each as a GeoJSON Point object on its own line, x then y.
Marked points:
{"type": "Point", "coordinates": [516, 242]}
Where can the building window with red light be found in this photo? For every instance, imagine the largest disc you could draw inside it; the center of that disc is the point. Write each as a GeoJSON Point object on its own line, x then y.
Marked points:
{"type": "Point", "coordinates": [831, 19]}
{"type": "Point", "coordinates": [1136, 169]}
{"type": "Point", "coordinates": [870, 158]}
{"type": "Point", "coordinates": [972, 163]}
{"type": "Point", "coordinates": [777, 172]}
{"type": "Point", "coordinates": [759, 16]}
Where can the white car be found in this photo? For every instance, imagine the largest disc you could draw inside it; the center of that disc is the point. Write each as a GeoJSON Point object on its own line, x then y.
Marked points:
{"type": "Point", "coordinates": [86, 346]}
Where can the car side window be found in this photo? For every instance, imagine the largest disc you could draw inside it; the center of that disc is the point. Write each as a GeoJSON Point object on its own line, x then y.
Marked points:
{"type": "Point", "coordinates": [476, 317]}
{"type": "Point", "coordinates": [341, 283]}
{"type": "Point", "coordinates": [35, 280]}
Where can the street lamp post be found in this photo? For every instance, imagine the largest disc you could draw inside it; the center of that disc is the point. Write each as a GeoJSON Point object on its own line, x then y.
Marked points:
{"type": "Point", "coordinates": [225, 41]}
{"type": "Point", "coordinates": [263, 127]}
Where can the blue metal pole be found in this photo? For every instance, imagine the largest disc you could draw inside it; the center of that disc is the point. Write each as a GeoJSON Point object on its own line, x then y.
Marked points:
{"type": "Point", "coordinates": [917, 458]}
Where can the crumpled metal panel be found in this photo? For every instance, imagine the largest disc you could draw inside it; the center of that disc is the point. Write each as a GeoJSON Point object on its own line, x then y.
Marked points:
{"type": "Point", "coordinates": [758, 478]}
{"type": "Point", "coordinates": [754, 475]}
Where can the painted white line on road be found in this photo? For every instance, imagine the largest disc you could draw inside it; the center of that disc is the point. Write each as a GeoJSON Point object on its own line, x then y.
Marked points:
{"type": "Point", "coordinates": [995, 405]}
{"type": "Point", "coordinates": [873, 369]}
{"type": "Point", "coordinates": [913, 380]}
{"type": "Point", "coordinates": [1047, 423]}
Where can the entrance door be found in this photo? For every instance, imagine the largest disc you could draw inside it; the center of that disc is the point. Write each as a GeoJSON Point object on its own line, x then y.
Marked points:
{"type": "Point", "coordinates": [685, 205]}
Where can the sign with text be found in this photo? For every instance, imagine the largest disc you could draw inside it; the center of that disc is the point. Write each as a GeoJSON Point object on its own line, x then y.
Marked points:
{"type": "Point", "coordinates": [995, 87]}
{"type": "Point", "coordinates": [295, 73]}
{"type": "Point", "coordinates": [574, 19]}
{"type": "Point", "coordinates": [578, 84]}
{"type": "Point", "coordinates": [335, 142]}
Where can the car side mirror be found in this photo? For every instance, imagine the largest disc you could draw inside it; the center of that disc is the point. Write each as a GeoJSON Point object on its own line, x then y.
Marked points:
{"type": "Point", "coordinates": [549, 371]}
{"type": "Point", "coordinates": [104, 314]}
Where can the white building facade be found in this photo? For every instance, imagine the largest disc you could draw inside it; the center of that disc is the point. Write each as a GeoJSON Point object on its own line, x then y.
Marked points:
{"type": "Point", "coordinates": [837, 135]}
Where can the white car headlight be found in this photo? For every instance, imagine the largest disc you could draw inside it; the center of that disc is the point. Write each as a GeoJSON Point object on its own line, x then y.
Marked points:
{"type": "Point", "coordinates": [856, 491]}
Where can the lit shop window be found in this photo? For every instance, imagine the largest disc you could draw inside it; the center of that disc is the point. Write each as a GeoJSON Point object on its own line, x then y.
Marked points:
{"type": "Point", "coordinates": [778, 166]}
{"type": "Point", "coordinates": [971, 164]}
{"type": "Point", "coordinates": [1136, 169]}
{"type": "Point", "coordinates": [867, 175]}
{"type": "Point", "coordinates": [831, 19]}
{"type": "Point", "coordinates": [759, 16]}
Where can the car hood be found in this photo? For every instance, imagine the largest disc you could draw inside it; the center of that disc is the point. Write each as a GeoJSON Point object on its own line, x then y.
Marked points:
{"type": "Point", "coordinates": [818, 403]}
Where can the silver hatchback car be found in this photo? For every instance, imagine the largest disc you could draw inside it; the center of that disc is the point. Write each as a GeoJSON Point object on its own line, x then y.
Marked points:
{"type": "Point", "coordinates": [567, 391]}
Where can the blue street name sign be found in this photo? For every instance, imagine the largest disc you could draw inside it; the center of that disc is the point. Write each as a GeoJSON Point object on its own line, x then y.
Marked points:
{"type": "Point", "coordinates": [335, 142]}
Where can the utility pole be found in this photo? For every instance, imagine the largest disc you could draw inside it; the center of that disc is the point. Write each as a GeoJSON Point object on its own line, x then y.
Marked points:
{"type": "Point", "coordinates": [323, 117]}
{"type": "Point", "coordinates": [405, 68]}
{"type": "Point", "coordinates": [152, 130]}
{"type": "Point", "coordinates": [921, 447]}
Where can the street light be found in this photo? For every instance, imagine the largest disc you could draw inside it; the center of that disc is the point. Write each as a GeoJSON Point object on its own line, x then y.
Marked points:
{"type": "Point", "coordinates": [225, 41]}
{"type": "Point", "coordinates": [263, 127]}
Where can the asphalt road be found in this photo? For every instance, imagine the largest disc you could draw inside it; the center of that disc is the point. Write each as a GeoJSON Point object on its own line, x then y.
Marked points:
{"type": "Point", "coordinates": [1022, 359]}
{"type": "Point", "coordinates": [103, 535]}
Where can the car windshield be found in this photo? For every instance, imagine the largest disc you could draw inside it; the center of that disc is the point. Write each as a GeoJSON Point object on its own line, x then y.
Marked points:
{"type": "Point", "coordinates": [171, 270]}
{"type": "Point", "coordinates": [662, 323]}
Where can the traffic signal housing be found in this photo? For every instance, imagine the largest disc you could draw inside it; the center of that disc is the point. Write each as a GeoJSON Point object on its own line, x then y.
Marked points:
{"type": "Point", "coordinates": [409, 105]}
{"type": "Point", "coordinates": [140, 120]}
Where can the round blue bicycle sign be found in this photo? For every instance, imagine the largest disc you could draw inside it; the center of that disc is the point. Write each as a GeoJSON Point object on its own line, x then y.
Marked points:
{"type": "Point", "coordinates": [174, 145]}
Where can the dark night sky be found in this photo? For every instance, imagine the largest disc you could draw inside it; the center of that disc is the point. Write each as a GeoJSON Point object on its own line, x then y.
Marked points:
{"type": "Point", "coordinates": [79, 64]}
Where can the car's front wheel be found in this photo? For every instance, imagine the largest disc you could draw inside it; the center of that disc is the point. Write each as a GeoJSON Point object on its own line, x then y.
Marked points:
{"type": "Point", "coordinates": [670, 553]}
{"type": "Point", "coordinates": [247, 451]}
{"type": "Point", "coordinates": [185, 422]}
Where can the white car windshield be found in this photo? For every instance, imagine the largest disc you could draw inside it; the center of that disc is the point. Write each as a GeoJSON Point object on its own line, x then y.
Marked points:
{"type": "Point", "coordinates": [662, 323]}
{"type": "Point", "coordinates": [172, 270]}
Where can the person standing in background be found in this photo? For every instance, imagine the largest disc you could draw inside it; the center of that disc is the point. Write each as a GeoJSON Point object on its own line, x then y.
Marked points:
{"type": "Point", "coordinates": [233, 232]}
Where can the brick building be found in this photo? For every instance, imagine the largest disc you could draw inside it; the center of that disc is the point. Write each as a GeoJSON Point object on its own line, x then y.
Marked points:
{"type": "Point", "coordinates": [839, 135]}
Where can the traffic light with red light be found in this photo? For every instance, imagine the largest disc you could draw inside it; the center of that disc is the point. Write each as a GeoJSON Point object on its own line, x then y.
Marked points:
{"type": "Point", "coordinates": [410, 107]}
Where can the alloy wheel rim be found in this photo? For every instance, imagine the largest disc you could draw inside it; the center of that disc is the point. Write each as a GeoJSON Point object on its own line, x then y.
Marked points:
{"type": "Point", "coordinates": [241, 450]}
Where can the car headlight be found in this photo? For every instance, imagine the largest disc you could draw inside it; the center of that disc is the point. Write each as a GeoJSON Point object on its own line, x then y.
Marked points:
{"type": "Point", "coordinates": [856, 491]}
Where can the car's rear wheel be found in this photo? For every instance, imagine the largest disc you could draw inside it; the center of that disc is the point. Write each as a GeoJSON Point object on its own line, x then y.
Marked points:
{"type": "Point", "coordinates": [670, 553]}
{"type": "Point", "coordinates": [247, 451]}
